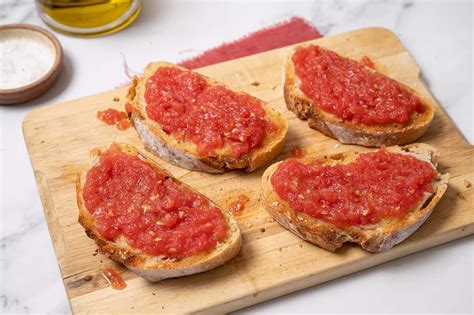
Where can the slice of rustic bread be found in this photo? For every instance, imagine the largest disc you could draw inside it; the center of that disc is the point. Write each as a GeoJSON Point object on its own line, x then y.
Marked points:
{"type": "Point", "coordinates": [346, 131]}
{"type": "Point", "coordinates": [155, 268]}
{"type": "Point", "coordinates": [374, 238]}
{"type": "Point", "coordinates": [184, 153]}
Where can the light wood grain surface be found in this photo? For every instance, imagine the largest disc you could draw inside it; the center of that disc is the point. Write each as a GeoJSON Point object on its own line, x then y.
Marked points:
{"type": "Point", "coordinates": [272, 262]}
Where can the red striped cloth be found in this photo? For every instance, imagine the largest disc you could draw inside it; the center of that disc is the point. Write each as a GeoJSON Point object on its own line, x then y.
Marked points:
{"type": "Point", "coordinates": [278, 35]}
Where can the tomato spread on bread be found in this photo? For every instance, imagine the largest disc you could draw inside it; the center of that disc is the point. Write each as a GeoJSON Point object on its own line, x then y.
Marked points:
{"type": "Point", "coordinates": [210, 116]}
{"type": "Point", "coordinates": [129, 197]}
{"type": "Point", "coordinates": [350, 91]}
{"type": "Point", "coordinates": [372, 187]}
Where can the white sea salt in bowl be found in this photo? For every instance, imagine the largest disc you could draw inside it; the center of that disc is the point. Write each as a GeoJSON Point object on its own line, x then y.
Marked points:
{"type": "Point", "coordinates": [30, 61]}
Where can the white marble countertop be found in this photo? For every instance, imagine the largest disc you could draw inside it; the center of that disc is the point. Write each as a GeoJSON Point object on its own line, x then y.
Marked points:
{"type": "Point", "coordinates": [437, 33]}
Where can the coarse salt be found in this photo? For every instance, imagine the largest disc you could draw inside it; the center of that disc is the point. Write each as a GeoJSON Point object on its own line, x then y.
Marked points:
{"type": "Point", "coordinates": [23, 60]}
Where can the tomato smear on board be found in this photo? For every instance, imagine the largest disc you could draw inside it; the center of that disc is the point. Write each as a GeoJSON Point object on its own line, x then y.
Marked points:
{"type": "Point", "coordinates": [114, 117]}
{"type": "Point", "coordinates": [114, 279]}
{"type": "Point", "coordinates": [236, 207]}
{"type": "Point", "coordinates": [297, 151]}
{"type": "Point", "coordinates": [123, 124]}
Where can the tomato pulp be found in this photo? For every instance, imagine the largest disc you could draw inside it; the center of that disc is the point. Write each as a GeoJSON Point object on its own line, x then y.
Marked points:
{"type": "Point", "coordinates": [129, 197]}
{"type": "Point", "coordinates": [210, 116]}
{"type": "Point", "coordinates": [114, 279]}
{"type": "Point", "coordinates": [350, 91]}
{"type": "Point", "coordinates": [374, 186]}
{"type": "Point", "coordinates": [114, 117]}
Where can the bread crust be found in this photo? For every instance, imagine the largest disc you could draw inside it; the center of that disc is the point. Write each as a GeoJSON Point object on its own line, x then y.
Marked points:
{"type": "Point", "coordinates": [373, 238]}
{"type": "Point", "coordinates": [347, 132]}
{"type": "Point", "coordinates": [156, 268]}
{"type": "Point", "coordinates": [184, 154]}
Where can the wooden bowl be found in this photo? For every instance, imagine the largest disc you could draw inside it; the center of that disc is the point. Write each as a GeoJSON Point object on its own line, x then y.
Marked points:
{"type": "Point", "coordinates": [34, 89]}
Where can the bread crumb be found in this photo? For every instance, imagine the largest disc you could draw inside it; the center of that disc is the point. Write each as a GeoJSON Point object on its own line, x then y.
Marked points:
{"type": "Point", "coordinates": [275, 203]}
{"type": "Point", "coordinates": [262, 230]}
{"type": "Point", "coordinates": [270, 220]}
{"type": "Point", "coordinates": [116, 99]}
{"type": "Point", "coordinates": [87, 278]}
{"type": "Point", "coordinates": [255, 83]}
{"type": "Point", "coordinates": [301, 245]}
{"type": "Point", "coordinates": [279, 249]}
{"type": "Point", "coordinates": [467, 183]}
{"type": "Point", "coordinates": [153, 293]}
{"type": "Point", "coordinates": [337, 145]}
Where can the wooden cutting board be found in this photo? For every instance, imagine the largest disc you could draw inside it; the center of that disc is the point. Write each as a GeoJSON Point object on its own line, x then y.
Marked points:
{"type": "Point", "coordinates": [272, 262]}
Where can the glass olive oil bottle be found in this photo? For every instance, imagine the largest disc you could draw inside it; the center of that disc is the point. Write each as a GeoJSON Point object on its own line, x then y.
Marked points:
{"type": "Point", "coordinates": [88, 17]}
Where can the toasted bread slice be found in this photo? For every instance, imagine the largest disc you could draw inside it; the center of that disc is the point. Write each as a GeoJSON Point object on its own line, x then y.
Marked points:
{"type": "Point", "coordinates": [184, 153]}
{"type": "Point", "coordinates": [155, 268]}
{"type": "Point", "coordinates": [374, 238]}
{"type": "Point", "coordinates": [348, 132]}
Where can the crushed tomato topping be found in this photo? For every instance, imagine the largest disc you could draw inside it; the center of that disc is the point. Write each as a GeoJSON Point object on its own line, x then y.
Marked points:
{"type": "Point", "coordinates": [351, 92]}
{"type": "Point", "coordinates": [366, 61]}
{"type": "Point", "coordinates": [376, 185]}
{"type": "Point", "coordinates": [112, 116]}
{"type": "Point", "coordinates": [114, 279]}
{"type": "Point", "coordinates": [210, 116]}
{"type": "Point", "coordinates": [128, 196]}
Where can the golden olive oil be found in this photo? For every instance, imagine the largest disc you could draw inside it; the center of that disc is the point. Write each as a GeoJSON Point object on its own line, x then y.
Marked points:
{"type": "Point", "coordinates": [88, 17]}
